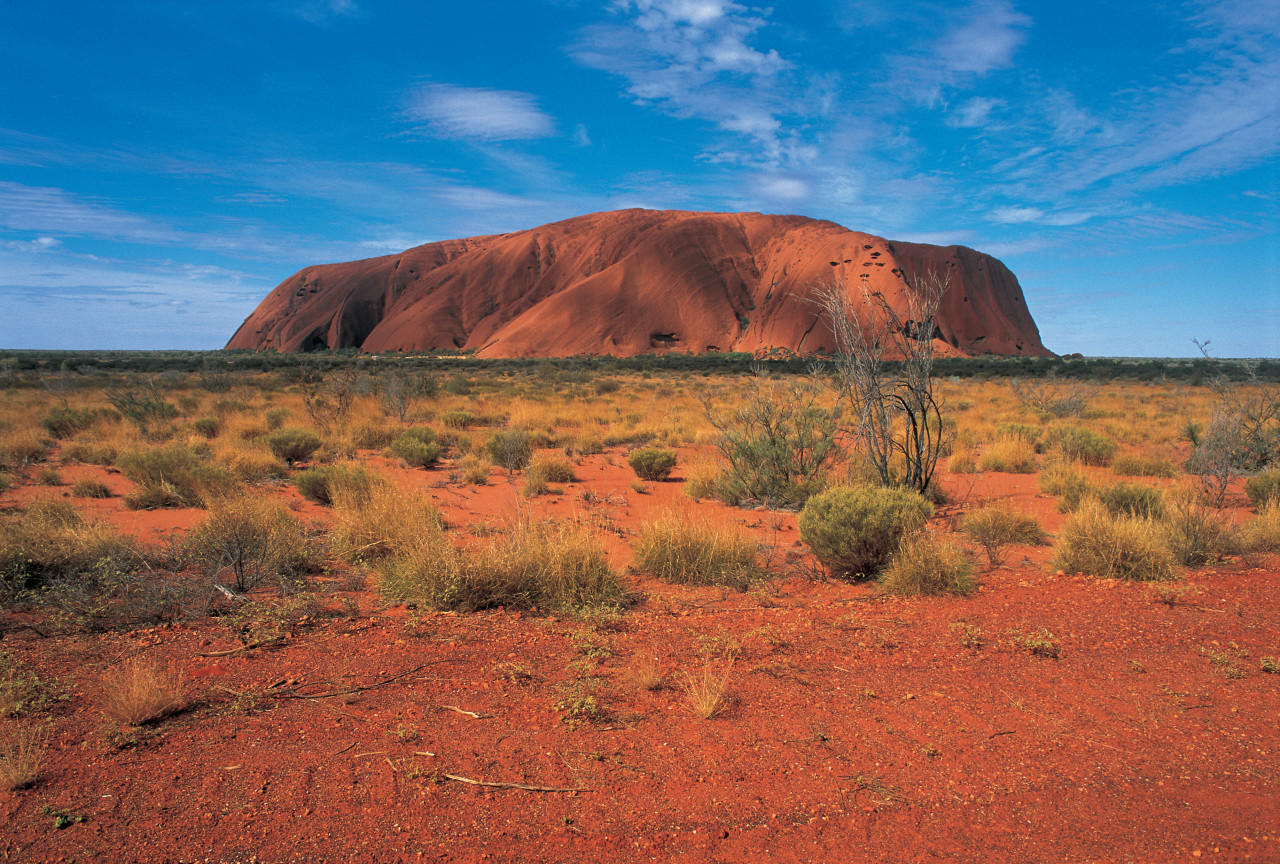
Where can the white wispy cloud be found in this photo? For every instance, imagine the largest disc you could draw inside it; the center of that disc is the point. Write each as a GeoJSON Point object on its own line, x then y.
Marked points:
{"type": "Point", "coordinates": [57, 211]}
{"type": "Point", "coordinates": [692, 59]}
{"type": "Point", "coordinates": [475, 113]}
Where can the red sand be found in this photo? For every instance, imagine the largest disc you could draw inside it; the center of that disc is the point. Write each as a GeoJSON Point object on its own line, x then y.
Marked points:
{"type": "Point", "coordinates": [859, 727]}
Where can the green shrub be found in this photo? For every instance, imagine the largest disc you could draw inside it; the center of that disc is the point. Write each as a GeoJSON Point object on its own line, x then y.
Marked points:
{"type": "Point", "coordinates": [462, 419]}
{"type": "Point", "coordinates": [165, 477]}
{"type": "Point", "coordinates": [252, 539]}
{"type": "Point", "coordinates": [1068, 484]}
{"type": "Point", "coordinates": [1132, 499]}
{"type": "Point", "coordinates": [510, 449]}
{"type": "Point", "coordinates": [209, 427]}
{"type": "Point", "coordinates": [51, 541]}
{"type": "Point", "coordinates": [458, 384]}
{"type": "Point", "coordinates": [275, 418]}
{"type": "Point", "coordinates": [65, 422]}
{"type": "Point", "coordinates": [999, 525]}
{"type": "Point", "coordinates": [1133, 465]}
{"type": "Point", "coordinates": [1098, 543]}
{"type": "Point", "coordinates": [318, 484]}
{"type": "Point", "coordinates": [928, 563]}
{"type": "Point", "coordinates": [1082, 445]}
{"type": "Point", "coordinates": [418, 447]}
{"type": "Point", "coordinates": [1263, 488]}
{"type": "Point", "coordinates": [689, 551]}
{"type": "Point", "coordinates": [652, 463]}
{"type": "Point", "coordinates": [853, 530]}
{"type": "Point", "coordinates": [293, 445]}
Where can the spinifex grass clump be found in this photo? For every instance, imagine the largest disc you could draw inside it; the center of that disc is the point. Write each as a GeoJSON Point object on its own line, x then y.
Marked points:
{"type": "Point", "coordinates": [318, 483]}
{"type": "Point", "coordinates": [854, 530]}
{"type": "Point", "coordinates": [545, 469]}
{"type": "Point", "coordinates": [681, 548]}
{"type": "Point", "coordinates": [998, 525]}
{"type": "Point", "coordinates": [1196, 533]}
{"type": "Point", "coordinates": [1095, 542]}
{"type": "Point", "coordinates": [1083, 445]}
{"type": "Point", "coordinates": [293, 445]}
{"type": "Point", "coordinates": [928, 563]}
{"type": "Point", "coordinates": [1069, 484]}
{"type": "Point", "coordinates": [140, 690]}
{"type": "Point", "coordinates": [1263, 488]}
{"type": "Point", "coordinates": [1132, 499]}
{"type": "Point", "coordinates": [510, 449]}
{"type": "Point", "coordinates": [376, 519]}
{"type": "Point", "coordinates": [551, 566]}
{"type": "Point", "coordinates": [1010, 454]}
{"type": "Point", "coordinates": [52, 542]}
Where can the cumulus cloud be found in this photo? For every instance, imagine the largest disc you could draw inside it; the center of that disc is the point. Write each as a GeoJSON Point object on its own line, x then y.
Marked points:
{"type": "Point", "coordinates": [475, 113]}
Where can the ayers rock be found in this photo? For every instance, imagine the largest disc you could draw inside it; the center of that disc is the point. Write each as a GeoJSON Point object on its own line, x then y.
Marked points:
{"type": "Point", "coordinates": [631, 282]}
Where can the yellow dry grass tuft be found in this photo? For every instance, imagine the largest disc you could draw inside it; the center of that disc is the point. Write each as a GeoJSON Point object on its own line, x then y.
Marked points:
{"type": "Point", "coordinates": [140, 690]}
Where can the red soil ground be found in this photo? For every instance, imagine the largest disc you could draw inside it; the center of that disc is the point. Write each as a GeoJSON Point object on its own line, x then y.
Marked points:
{"type": "Point", "coordinates": [859, 727]}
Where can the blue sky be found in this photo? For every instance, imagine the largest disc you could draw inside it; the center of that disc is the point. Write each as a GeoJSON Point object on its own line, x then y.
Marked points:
{"type": "Point", "coordinates": [164, 164]}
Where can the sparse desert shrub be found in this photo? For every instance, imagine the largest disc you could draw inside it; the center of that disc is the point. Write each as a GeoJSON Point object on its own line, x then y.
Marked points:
{"type": "Point", "coordinates": [48, 477]}
{"type": "Point", "coordinates": [928, 563]}
{"type": "Point", "coordinates": [587, 445]}
{"type": "Point", "coordinates": [652, 463]}
{"type": "Point", "coordinates": [998, 525]}
{"type": "Point", "coordinates": [778, 442]}
{"type": "Point", "coordinates": [165, 476]}
{"type": "Point", "coordinates": [317, 484]}
{"type": "Point", "coordinates": [1132, 499]}
{"type": "Point", "coordinates": [375, 518]}
{"type": "Point", "coordinates": [681, 548]}
{"type": "Point", "coordinates": [1083, 445]}
{"type": "Point", "coordinates": [461, 419]}
{"type": "Point", "coordinates": [63, 422]}
{"type": "Point", "coordinates": [1262, 532]}
{"type": "Point", "coordinates": [90, 489]}
{"type": "Point", "coordinates": [139, 691]}
{"type": "Point", "coordinates": [1011, 455]}
{"type": "Point", "coordinates": [551, 566]}
{"type": "Point", "coordinates": [51, 541]}
{"type": "Point", "coordinates": [418, 447]}
{"type": "Point", "coordinates": [853, 530]}
{"type": "Point", "coordinates": [89, 454]}
{"type": "Point", "coordinates": [1135, 465]}
{"type": "Point", "coordinates": [475, 471]}
{"type": "Point", "coordinates": [209, 427]}
{"type": "Point", "coordinates": [510, 449]}
{"type": "Point", "coordinates": [1070, 485]}
{"type": "Point", "coordinates": [252, 539]}
{"type": "Point", "coordinates": [1263, 488]}
{"type": "Point", "coordinates": [21, 754]}
{"type": "Point", "coordinates": [1098, 543]}
{"type": "Point", "coordinates": [1196, 533]}
{"type": "Point", "coordinates": [293, 445]}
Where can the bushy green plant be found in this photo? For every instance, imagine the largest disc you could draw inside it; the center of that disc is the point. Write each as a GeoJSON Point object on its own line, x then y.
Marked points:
{"type": "Point", "coordinates": [928, 563]}
{"type": "Point", "coordinates": [418, 447]}
{"type": "Point", "coordinates": [996, 526]}
{"type": "Point", "coordinates": [209, 427]}
{"type": "Point", "coordinates": [652, 463]}
{"type": "Point", "coordinates": [461, 419]}
{"type": "Point", "coordinates": [166, 477]}
{"type": "Point", "coordinates": [1098, 543]}
{"type": "Point", "coordinates": [854, 530]}
{"type": "Point", "coordinates": [318, 484]}
{"type": "Point", "coordinates": [680, 548]}
{"type": "Point", "coordinates": [63, 422]}
{"type": "Point", "coordinates": [1083, 445]}
{"type": "Point", "coordinates": [1132, 499]}
{"type": "Point", "coordinates": [293, 445]}
{"type": "Point", "coordinates": [1263, 488]}
{"type": "Point", "coordinates": [510, 448]}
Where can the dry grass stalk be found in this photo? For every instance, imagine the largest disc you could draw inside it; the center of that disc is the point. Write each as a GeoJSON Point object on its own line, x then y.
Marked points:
{"type": "Point", "coordinates": [708, 690]}
{"type": "Point", "coordinates": [140, 690]}
{"type": "Point", "coordinates": [648, 673]}
{"type": "Point", "coordinates": [21, 752]}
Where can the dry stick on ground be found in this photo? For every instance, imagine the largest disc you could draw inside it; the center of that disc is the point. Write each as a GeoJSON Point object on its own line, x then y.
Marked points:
{"type": "Point", "coordinates": [468, 713]}
{"type": "Point", "coordinates": [294, 694]}
{"type": "Point", "coordinates": [515, 785]}
{"type": "Point", "coordinates": [265, 643]}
